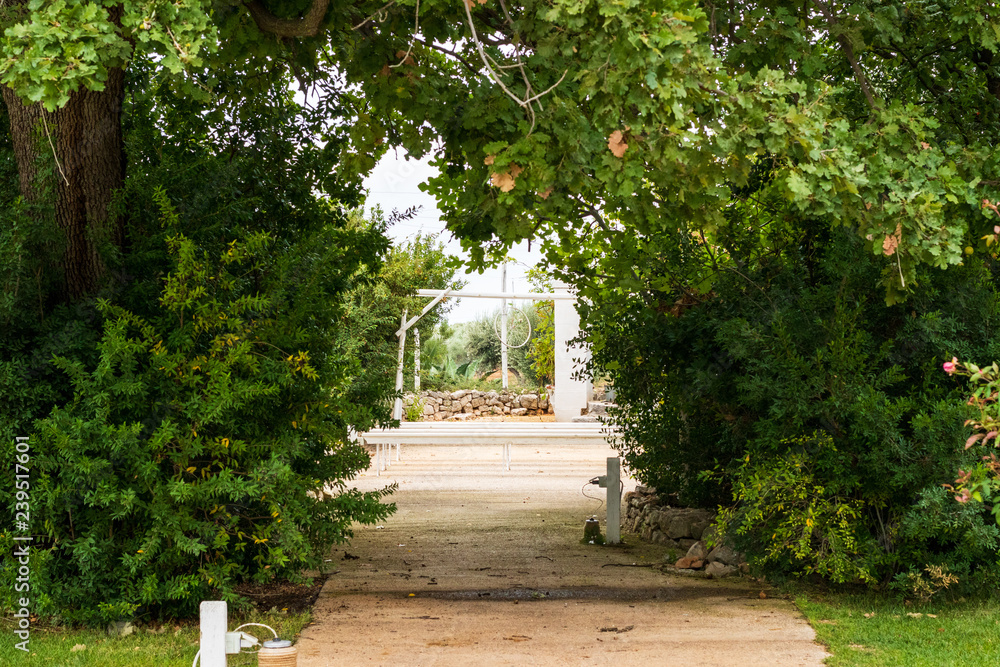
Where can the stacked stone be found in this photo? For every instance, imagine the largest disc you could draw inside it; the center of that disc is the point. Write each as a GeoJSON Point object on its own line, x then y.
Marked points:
{"type": "Point", "coordinates": [682, 529]}
{"type": "Point", "coordinates": [466, 404]}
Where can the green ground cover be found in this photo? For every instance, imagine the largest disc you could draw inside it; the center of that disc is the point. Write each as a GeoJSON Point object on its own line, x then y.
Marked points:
{"type": "Point", "coordinates": [869, 631]}
{"type": "Point", "coordinates": [159, 645]}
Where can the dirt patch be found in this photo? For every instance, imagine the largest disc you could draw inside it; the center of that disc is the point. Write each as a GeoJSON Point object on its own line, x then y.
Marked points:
{"type": "Point", "coordinates": [283, 595]}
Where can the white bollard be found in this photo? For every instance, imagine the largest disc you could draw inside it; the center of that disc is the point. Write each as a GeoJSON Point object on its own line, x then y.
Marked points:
{"type": "Point", "coordinates": [214, 619]}
{"type": "Point", "coordinates": [614, 501]}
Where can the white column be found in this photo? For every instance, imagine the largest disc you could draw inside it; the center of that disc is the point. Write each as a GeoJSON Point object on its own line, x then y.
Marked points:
{"type": "Point", "coordinates": [503, 328]}
{"type": "Point", "coordinates": [213, 633]}
{"type": "Point", "coordinates": [397, 408]}
{"type": "Point", "coordinates": [416, 361]}
{"type": "Point", "coordinates": [570, 396]}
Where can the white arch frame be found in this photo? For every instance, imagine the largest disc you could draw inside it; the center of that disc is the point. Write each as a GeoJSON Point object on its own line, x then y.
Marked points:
{"type": "Point", "coordinates": [571, 395]}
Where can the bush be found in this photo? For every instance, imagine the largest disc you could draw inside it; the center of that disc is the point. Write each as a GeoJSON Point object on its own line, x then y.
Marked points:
{"type": "Point", "coordinates": [206, 446]}
{"type": "Point", "coordinates": [817, 415]}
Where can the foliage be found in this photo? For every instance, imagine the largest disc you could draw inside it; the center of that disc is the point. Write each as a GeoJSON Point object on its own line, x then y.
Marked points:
{"type": "Point", "coordinates": [541, 349]}
{"type": "Point", "coordinates": [438, 383]}
{"type": "Point", "coordinates": [482, 344]}
{"type": "Point", "coordinates": [809, 399]}
{"type": "Point", "coordinates": [812, 524]}
{"type": "Point", "coordinates": [414, 412]}
{"type": "Point", "coordinates": [917, 586]}
{"type": "Point", "coordinates": [600, 127]}
{"type": "Point", "coordinates": [981, 480]}
{"type": "Point", "coordinates": [179, 469]}
{"type": "Point", "coordinates": [374, 309]}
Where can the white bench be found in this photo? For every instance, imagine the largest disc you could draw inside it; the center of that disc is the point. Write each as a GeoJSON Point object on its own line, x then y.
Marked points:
{"type": "Point", "coordinates": [505, 434]}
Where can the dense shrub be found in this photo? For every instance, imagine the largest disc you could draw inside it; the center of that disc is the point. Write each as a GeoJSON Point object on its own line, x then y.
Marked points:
{"type": "Point", "coordinates": [208, 445]}
{"type": "Point", "coordinates": [213, 382]}
{"type": "Point", "coordinates": [818, 416]}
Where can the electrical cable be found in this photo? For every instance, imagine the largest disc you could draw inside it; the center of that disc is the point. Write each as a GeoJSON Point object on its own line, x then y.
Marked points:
{"type": "Point", "coordinates": [198, 654]}
{"type": "Point", "coordinates": [260, 625]}
{"type": "Point", "coordinates": [600, 500]}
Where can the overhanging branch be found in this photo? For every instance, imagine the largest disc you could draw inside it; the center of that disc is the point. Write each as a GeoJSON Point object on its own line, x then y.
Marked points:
{"type": "Point", "coordinates": [306, 26]}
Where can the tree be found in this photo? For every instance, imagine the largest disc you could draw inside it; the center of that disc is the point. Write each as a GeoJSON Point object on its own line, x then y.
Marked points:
{"type": "Point", "coordinates": [542, 350]}
{"type": "Point", "coordinates": [590, 123]}
{"type": "Point", "coordinates": [374, 309]}
{"type": "Point", "coordinates": [216, 378]}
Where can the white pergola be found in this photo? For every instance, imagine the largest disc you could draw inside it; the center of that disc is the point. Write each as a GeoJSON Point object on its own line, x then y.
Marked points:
{"type": "Point", "coordinates": [571, 395]}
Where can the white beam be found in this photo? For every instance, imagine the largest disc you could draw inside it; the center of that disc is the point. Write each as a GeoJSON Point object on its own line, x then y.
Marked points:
{"type": "Point", "coordinates": [438, 294]}
{"type": "Point", "coordinates": [469, 294]}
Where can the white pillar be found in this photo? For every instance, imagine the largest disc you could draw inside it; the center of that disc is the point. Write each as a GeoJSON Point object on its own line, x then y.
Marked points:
{"type": "Point", "coordinates": [213, 633]}
{"type": "Point", "coordinates": [570, 396]}
{"type": "Point", "coordinates": [613, 524]}
{"type": "Point", "coordinates": [503, 328]}
{"type": "Point", "coordinates": [397, 409]}
{"type": "Point", "coordinates": [416, 361]}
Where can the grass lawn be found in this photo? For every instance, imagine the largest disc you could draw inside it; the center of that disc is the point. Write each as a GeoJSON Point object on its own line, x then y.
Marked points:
{"type": "Point", "coordinates": [869, 631]}
{"type": "Point", "coordinates": [170, 645]}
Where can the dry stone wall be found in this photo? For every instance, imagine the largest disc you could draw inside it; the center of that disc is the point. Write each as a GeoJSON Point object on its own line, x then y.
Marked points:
{"type": "Point", "coordinates": [469, 403]}
{"type": "Point", "coordinates": [686, 531]}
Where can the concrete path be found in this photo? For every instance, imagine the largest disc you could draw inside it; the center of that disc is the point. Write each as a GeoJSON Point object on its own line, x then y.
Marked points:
{"type": "Point", "coordinates": [481, 566]}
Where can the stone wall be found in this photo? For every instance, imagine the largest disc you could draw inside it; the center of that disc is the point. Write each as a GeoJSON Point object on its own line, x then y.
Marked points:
{"type": "Point", "coordinates": [686, 531]}
{"type": "Point", "coordinates": [468, 403]}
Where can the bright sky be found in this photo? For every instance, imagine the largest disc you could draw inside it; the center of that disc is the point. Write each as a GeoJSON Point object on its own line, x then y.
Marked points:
{"type": "Point", "coordinates": [393, 184]}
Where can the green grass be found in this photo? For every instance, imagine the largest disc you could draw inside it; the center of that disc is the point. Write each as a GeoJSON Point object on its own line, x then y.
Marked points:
{"type": "Point", "coordinates": [869, 631]}
{"type": "Point", "coordinates": [175, 646]}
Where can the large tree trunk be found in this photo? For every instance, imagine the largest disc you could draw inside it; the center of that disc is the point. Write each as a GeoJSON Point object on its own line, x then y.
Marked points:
{"type": "Point", "coordinates": [90, 168]}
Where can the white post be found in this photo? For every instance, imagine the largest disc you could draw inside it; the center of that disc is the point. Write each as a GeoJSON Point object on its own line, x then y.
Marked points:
{"type": "Point", "coordinates": [613, 527]}
{"type": "Point", "coordinates": [503, 328]}
{"type": "Point", "coordinates": [570, 396]}
{"type": "Point", "coordinates": [214, 619]}
{"type": "Point", "coordinates": [416, 361]}
{"type": "Point", "coordinates": [397, 409]}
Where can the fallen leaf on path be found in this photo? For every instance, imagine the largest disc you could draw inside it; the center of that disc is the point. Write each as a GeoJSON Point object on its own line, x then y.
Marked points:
{"type": "Point", "coordinates": [517, 638]}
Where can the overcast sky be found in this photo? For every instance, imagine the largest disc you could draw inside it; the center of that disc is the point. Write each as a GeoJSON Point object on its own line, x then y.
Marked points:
{"type": "Point", "coordinates": [394, 185]}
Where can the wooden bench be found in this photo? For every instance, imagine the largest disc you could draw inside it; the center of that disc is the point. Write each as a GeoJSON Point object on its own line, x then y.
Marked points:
{"type": "Point", "coordinates": [460, 434]}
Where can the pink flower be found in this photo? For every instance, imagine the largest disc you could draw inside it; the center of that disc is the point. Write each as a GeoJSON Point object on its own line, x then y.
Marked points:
{"type": "Point", "coordinates": [949, 366]}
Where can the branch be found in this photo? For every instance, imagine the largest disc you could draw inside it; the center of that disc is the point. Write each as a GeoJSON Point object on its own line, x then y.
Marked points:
{"type": "Point", "coordinates": [833, 22]}
{"type": "Point", "coordinates": [380, 15]}
{"type": "Point", "coordinates": [409, 47]}
{"type": "Point", "coordinates": [307, 26]}
{"type": "Point", "coordinates": [453, 54]}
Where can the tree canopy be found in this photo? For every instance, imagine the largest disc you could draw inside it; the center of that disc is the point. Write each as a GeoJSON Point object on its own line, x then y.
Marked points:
{"type": "Point", "coordinates": [600, 126]}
